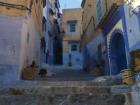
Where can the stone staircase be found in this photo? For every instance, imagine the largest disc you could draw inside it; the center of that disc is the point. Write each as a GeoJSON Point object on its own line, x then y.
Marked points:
{"type": "Point", "coordinates": [59, 93]}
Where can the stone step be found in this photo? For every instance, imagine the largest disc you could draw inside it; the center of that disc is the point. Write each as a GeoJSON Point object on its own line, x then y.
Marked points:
{"type": "Point", "coordinates": [75, 99]}
{"type": "Point", "coordinates": [59, 93]}
{"type": "Point", "coordinates": [71, 87]}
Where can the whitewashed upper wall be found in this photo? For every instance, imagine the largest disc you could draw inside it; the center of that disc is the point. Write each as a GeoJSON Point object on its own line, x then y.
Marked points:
{"type": "Point", "coordinates": [133, 27]}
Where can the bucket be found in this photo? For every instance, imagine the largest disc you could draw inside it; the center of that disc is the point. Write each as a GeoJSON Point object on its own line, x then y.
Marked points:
{"type": "Point", "coordinates": [127, 76]}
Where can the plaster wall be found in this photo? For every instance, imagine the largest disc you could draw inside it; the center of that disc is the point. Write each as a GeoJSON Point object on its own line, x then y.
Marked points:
{"type": "Point", "coordinates": [30, 49]}
{"type": "Point", "coordinates": [10, 46]}
{"type": "Point", "coordinates": [92, 50]}
{"type": "Point", "coordinates": [133, 27]}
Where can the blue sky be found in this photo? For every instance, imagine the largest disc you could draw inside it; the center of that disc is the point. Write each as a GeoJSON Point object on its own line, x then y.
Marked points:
{"type": "Point", "coordinates": [70, 3]}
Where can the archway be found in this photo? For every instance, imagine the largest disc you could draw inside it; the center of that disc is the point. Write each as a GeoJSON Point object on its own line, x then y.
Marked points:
{"type": "Point", "coordinates": [118, 60]}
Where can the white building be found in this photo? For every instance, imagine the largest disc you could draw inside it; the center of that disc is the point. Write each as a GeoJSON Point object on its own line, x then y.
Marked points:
{"type": "Point", "coordinates": [20, 37]}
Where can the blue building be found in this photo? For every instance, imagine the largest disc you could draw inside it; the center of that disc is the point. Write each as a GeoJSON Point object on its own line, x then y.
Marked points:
{"type": "Point", "coordinates": [121, 30]}
{"type": "Point", "coordinates": [72, 36]}
{"type": "Point", "coordinates": [52, 32]}
{"type": "Point", "coordinates": [93, 53]}
{"type": "Point", "coordinates": [93, 41]}
{"type": "Point", "coordinates": [110, 49]}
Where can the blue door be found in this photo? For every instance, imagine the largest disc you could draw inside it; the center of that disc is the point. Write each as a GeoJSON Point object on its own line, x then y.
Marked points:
{"type": "Point", "coordinates": [118, 60]}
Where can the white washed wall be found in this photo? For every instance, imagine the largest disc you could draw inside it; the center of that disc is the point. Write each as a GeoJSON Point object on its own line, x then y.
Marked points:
{"type": "Point", "coordinates": [133, 28]}
{"type": "Point", "coordinates": [10, 38]}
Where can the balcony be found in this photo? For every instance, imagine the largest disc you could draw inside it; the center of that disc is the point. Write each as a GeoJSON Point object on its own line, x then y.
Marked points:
{"type": "Point", "coordinates": [107, 9]}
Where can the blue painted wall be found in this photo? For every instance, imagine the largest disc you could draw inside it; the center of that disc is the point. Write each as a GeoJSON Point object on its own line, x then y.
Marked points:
{"type": "Point", "coordinates": [128, 24]}
{"type": "Point", "coordinates": [49, 39]}
{"type": "Point", "coordinates": [51, 33]}
{"type": "Point", "coordinates": [90, 52]}
{"type": "Point", "coordinates": [133, 27]}
{"type": "Point", "coordinates": [116, 25]}
{"type": "Point", "coordinates": [76, 56]}
{"type": "Point", "coordinates": [76, 59]}
{"type": "Point", "coordinates": [10, 46]}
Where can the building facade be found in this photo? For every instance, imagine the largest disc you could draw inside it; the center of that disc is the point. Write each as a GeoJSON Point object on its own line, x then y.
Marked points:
{"type": "Point", "coordinates": [71, 23]}
{"type": "Point", "coordinates": [121, 29]}
{"type": "Point", "coordinates": [92, 43]}
{"type": "Point", "coordinates": [115, 33]}
{"type": "Point", "coordinates": [21, 33]}
{"type": "Point", "coordinates": [53, 32]}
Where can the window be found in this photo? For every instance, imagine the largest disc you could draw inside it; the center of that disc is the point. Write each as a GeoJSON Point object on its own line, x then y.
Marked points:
{"type": "Point", "coordinates": [99, 10]}
{"type": "Point", "coordinates": [74, 47]}
{"type": "Point", "coordinates": [72, 27]}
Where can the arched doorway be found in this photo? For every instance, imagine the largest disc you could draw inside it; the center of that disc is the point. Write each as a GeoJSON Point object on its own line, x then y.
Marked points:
{"type": "Point", "coordinates": [118, 59]}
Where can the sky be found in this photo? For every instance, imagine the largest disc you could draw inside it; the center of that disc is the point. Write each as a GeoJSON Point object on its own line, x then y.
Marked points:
{"type": "Point", "coordinates": [70, 4]}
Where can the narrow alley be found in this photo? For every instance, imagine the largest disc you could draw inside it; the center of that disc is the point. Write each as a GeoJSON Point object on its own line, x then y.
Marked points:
{"type": "Point", "coordinates": [69, 52]}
